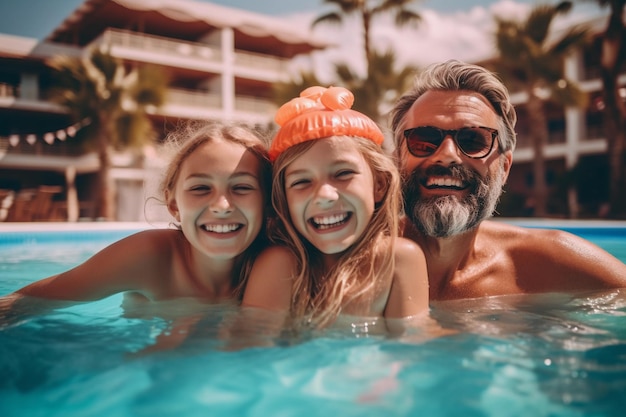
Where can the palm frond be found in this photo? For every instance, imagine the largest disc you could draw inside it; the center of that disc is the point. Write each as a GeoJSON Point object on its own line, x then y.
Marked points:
{"type": "Point", "coordinates": [568, 94]}
{"type": "Point", "coordinates": [537, 25]}
{"type": "Point", "coordinates": [346, 6]}
{"type": "Point", "coordinates": [285, 91]}
{"type": "Point", "coordinates": [406, 17]}
{"type": "Point", "coordinates": [574, 38]}
{"type": "Point", "coordinates": [150, 88]}
{"type": "Point", "coordinates": [331, 18]}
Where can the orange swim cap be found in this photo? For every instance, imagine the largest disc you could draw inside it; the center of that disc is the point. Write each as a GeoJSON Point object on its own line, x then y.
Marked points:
{"type": "Point", "coordinates": [320, 113]}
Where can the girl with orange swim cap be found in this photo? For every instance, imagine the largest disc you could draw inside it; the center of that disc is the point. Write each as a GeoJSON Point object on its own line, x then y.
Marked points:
{"type": "Point", "coordinates": [338, 200]}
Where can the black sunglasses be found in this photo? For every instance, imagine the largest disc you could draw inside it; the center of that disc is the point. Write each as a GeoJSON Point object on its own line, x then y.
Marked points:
{"type": "Point", "coordinates": [475, 142]}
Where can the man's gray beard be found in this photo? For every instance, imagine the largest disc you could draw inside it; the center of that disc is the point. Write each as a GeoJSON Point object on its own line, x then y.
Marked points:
{"type": "Point", "coordinates": [445, 216]}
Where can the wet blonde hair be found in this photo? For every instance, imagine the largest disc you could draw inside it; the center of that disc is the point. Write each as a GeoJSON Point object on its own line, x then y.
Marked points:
{"type": "Point", "coordinates": [184, 142]}
{"type": "Point", "coordinates": [318, 294]}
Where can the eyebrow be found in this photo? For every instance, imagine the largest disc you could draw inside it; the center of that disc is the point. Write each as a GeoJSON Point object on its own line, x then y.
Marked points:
{"type": "Point", "coordinates": [236, 175]}
{"type": "Point", "coordinates": [333, 164]}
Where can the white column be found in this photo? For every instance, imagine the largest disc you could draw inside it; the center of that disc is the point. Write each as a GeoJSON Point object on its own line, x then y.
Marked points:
{"type": "Point", "coordinates": [228, 73]}
{"type": "Point", "coordinates": [574, 117]}
{"type": "Point", "coordinates": [71, 195]}
{"type": "Point", "coordinates": [574, 127]}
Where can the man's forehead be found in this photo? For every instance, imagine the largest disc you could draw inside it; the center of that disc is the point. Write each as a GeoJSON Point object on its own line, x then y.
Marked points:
{"type": "Point", "coordinates": [451, 107]}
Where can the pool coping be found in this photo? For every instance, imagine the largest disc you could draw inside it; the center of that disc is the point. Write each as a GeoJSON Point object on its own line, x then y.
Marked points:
{"type": "Point", "coordinates": [562, 223]}
{"type": "Point", "coordinates": [78, 226]}
{"type": "Point", "coordinates": [94, 226]}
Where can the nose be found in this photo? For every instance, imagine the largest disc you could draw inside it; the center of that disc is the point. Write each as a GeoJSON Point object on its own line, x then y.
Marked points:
{"type": "Point", "coordinates": [326, 195]}
{"type": "Point", "coordinates": [221, 205]}
{"type": "Point", "coordinates": [447, 153]}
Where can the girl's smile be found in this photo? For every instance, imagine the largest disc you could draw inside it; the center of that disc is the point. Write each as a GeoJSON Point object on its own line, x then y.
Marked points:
{"type": "Point", "coordinates": [323, 223]}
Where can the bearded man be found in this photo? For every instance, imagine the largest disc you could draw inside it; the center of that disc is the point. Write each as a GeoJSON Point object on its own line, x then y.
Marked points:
{"type": "Point", "coordinates": [454, 136]}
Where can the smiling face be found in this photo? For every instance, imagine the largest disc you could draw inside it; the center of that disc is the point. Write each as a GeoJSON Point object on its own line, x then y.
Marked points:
{"type": "Point", "coordinates": [330, 192]}
{"type": "Point", "coordinates": [218, 199]}
{"type": "Point", "coordinates": [447, 193]}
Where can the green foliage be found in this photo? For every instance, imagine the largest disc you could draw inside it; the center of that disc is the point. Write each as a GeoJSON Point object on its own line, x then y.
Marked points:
{"type": "Point", "coordinates": [98, 87]}
{"type": "Point", "coordinates": [114, 101]}
{"type": "Point", "coordinates": [528, 58]}
{"type": "Point", "coordinates": [532, 59]}
{"type": "Point", "coordinates": [383, 82]}
{"type": "Point", "coordinates": [285, 91]}
{"type": "Point", "coordinates": [367, 10]}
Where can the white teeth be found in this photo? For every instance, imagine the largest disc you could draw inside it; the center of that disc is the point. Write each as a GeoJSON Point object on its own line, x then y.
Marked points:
{"type": "Point", "coordinates": [221, 228]}
{"type": "Point", "coordinates": [444, 182]}
{"type": "Point", "coordinates": [328, 221]}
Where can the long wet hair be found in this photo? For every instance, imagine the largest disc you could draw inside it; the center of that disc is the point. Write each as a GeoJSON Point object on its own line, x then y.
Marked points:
{"type": "Point", "coordinates": [184, 141]}
{"type": "Point", "coordinates": [318, 295]}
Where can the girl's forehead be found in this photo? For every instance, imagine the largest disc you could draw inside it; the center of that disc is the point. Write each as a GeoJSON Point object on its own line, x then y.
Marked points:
{"type": "Point", "coordinates": [221, 157]}
{"type": "Point", "coordinates": [331, 150]}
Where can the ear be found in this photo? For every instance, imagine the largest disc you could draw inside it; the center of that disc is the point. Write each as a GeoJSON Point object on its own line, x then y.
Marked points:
{"type": "Point", "coordinates": [507, 163]}
{"type": "Point", "coordinates": [380, 188]}
{"type": "Point", "coordinates": [172, 207]}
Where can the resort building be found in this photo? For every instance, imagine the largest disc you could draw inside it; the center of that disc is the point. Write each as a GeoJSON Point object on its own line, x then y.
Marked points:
{"type": "Point", "coordinates": [221, 63]}
{"type": "Point", "coordinates": [576, 153]}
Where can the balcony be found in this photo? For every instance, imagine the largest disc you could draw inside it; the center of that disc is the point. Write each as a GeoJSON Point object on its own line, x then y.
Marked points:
{"type": "Point", "coordinates": [200, 104]}
{"type": "Point", "coordinates": [11, 98]}
{"type": "Point", "coordinates": [189, 55]}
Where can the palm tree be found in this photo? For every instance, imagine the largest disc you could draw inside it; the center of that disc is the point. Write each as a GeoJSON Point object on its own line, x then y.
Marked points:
{"type": "Point", "coordinates": [529, 60]}
{"type": "Point", "coordinates": [366, 10]}
{"type": "Point", "coordinates": [285, 91]}
{"type": "Point", "coordinates": [115, 102]}
{"type": "Point", "coordinates": [614, 106]}
{"type": "Point", "coordinates": [373, 95]}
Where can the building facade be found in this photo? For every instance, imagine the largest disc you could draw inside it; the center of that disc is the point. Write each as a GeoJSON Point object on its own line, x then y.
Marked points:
{"type": "Point", "coordinates": [577, 167]}
{"type": "Point", "coordinates": [221, 64]}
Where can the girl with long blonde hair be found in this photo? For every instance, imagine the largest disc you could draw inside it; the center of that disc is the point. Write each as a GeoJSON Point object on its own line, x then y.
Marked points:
{"type": "Point", "coordinates": [337, 197]}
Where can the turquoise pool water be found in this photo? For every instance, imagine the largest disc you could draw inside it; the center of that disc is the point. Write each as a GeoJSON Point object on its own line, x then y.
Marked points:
{"type": "Point", "coordinates": [542, 355]}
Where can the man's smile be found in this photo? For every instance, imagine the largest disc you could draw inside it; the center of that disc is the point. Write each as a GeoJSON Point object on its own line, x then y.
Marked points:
{"type": "Point", "coordinates": [448, 183]}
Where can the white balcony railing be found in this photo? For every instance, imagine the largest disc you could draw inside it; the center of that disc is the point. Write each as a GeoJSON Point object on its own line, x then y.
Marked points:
{"type": "Point", "coordinates": [260, 61]}
{"type": "Point", "coordinates": [193, 98]}
{"type": "Point", "coordinates": [254, 105]}
{"type": "Point", "coordinates": [210, 101]}
{"type": "Point", "coordinates": [185, 50]}
{"type": "Point", "coordinates": [159, 45]}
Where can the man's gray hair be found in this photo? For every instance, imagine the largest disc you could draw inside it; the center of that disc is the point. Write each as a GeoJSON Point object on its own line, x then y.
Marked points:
{"type": "Point", "coordinates": [455, 75]}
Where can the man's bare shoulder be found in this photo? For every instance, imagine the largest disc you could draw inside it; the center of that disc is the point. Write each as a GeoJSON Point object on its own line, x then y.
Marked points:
{"type": "Point", "coordinates": [554, 253]}
{"type": "Point", "coordinates": [513, 236]}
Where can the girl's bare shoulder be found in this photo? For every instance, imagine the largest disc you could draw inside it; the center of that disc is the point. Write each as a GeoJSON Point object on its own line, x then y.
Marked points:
{"type": "Point", "coordinates": [155, 239]}
{"type": "Point", "coordinates": [280, 256]}
{"type": "Point", "coordinates": [407, 249]}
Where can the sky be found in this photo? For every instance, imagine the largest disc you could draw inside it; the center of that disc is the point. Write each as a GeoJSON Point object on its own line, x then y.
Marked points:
{"type": "Point", "coordinates": [37, 18]}
{"type": "Point", "coordinates": [461, 29]}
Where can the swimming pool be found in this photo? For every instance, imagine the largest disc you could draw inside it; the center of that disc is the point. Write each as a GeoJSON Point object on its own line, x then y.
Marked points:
{"type": "Point", "coordinates": [542, 355]}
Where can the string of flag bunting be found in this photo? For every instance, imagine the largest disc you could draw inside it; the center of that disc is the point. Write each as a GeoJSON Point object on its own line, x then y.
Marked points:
{"type": "Point", "coordinates": [49, 137]}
